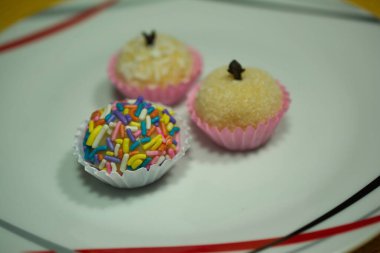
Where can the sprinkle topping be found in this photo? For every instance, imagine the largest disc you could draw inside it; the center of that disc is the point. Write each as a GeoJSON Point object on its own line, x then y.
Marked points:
{"type": "Point", "coordinates": [129, 135]}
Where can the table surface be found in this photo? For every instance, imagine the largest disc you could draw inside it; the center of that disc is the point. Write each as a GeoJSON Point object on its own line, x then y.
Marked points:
{"type": "Point", "coordinates": [321, 8]}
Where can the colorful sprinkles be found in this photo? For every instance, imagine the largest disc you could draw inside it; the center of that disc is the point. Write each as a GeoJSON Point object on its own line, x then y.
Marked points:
{"type": "Point", "coordinates": [129, 135]}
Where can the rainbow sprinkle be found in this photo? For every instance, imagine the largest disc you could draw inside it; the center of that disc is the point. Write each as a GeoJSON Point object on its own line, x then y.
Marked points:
{"type": "Point", "coordinates": [129, 135]}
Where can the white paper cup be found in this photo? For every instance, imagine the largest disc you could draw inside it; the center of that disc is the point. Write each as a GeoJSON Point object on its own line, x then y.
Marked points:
{"type": "Point", "coordinates": [135, 178]}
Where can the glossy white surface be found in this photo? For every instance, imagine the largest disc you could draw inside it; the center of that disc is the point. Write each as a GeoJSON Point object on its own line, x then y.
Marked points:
{"type": "Point", "coordinates": [325, 149]}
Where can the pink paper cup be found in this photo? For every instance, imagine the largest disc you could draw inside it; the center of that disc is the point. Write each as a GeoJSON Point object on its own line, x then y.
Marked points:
{"type": "Point", "coordinates": [239, 139]}
{"type": "Point", "coordinates": [169, 95]}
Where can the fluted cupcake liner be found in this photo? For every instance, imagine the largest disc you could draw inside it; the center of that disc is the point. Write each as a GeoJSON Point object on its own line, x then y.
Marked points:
{"type": "Point", "coordinates": [132, 178]}
{"type": "Point", "coordinates": [169, 95]}
{"type": "Point", "coordinates": [239, 139]}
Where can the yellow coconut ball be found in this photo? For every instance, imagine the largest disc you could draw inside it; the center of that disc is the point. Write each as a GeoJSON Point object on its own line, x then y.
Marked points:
{"type": "Point", "coordinates": [154, 60]}
{"type": "Point", "coordinates": [231, 97]}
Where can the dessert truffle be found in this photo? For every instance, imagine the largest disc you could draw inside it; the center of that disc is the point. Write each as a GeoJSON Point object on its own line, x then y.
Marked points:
{"type": "Point", "coordinates": [233, 102]}
{"type": "Point", "coordinates": [156, 66]}
{"type": "Point", "coordinates": [130, 136]}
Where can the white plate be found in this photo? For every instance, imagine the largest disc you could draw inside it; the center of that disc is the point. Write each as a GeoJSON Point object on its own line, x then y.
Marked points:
{"type": "Point", "coordinates": [325, 149]}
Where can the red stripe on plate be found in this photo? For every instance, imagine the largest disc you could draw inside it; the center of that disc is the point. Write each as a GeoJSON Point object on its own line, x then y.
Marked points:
{"type": "Point", "coordinates": [56, 27]}
{"type": "Point", "coordinates": [248, 245]}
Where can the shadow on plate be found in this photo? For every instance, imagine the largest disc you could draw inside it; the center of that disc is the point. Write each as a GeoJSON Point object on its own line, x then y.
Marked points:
{"type": "Point", "coordinates": [105, 93]}
{"type": "Point", "coordinates": [85, 189]}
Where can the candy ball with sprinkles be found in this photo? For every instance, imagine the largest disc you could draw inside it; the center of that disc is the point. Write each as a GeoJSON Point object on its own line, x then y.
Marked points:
{"type": "Point", "coordinates": [131, 135]}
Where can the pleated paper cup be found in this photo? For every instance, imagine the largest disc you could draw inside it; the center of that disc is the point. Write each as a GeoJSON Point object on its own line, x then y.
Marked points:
{"type": "Point", "coordinates": [239, 139]}
{"type": "Point", "coordinates": [169, 95]}
{"type": "Point", "coordinates": [132, 178]}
